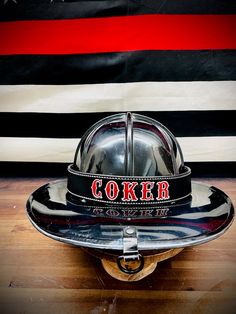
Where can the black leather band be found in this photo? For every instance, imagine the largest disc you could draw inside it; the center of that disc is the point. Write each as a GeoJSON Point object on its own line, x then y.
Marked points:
{"type": "Point", "coordinates": [113, 189]}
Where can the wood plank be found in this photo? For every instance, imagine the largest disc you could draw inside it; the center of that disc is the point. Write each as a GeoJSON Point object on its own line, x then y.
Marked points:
{"type": "Point", "coordinates": [40, 275]}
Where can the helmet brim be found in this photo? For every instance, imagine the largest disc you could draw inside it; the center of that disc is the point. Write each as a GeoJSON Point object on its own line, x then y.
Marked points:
{"type": "Point", "coordinates": [199, 219]}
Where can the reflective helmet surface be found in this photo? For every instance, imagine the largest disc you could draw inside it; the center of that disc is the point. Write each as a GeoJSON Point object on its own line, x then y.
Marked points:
{"type": "Point", "coordinates": [129, 144]}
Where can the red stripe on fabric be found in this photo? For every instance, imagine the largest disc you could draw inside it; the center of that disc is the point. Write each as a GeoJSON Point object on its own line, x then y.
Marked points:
{"type": "Point", "coordinates": [117, 34]}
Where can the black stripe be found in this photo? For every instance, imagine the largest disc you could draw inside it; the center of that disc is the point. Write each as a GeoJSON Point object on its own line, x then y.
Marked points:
{"type": "Point", "coordinates": [74, 125]}
{"type": "Point", "coordinates": [56, 170]}
{"type": "Point", "coordinates": [43, 9]}
{"type": "Point", "coordinates": [121, 67]}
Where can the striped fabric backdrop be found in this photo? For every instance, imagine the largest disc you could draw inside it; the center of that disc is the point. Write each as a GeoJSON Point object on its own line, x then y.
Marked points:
{"type": "Point", "coordinates": [66, 64]}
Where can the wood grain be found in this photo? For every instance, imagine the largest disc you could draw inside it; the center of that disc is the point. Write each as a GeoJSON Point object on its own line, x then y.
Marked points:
{"type": "Point", "coordinates": [39, 275]}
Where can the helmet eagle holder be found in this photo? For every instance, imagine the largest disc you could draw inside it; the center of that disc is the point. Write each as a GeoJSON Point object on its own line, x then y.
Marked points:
{"type": "Point", "coordinates": [129, 199]}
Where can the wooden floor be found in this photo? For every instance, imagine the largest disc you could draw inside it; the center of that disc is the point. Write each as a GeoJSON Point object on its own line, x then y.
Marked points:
{"type": "Point", "coordinates": [40, 275]}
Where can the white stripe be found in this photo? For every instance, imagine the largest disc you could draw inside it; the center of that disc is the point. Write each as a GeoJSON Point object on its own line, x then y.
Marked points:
{"type": "Point", "coordinates": [62, 150]}
{"type": "Point", "coordinates": [208, 148]}
{"type": "Point", "coordinates": [146, 96]}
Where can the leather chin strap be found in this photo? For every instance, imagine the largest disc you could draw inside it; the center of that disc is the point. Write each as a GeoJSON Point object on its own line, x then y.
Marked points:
{"type": "Point", "coordinates": [122, 190]}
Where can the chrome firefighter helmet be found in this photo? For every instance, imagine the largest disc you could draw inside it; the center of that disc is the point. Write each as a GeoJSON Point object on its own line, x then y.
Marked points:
{"type": "Point", "coordinates": [128, 190]}
{"type": "Point", "coordinates": [129, 159]}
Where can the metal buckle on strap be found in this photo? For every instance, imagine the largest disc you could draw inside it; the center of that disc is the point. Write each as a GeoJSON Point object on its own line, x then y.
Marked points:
{"type": "Point", "coordinates": [131, 261]}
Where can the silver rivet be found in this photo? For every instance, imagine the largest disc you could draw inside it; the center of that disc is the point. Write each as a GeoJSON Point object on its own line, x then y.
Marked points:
{"type": "Point", "coordinates": [130, 230]}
